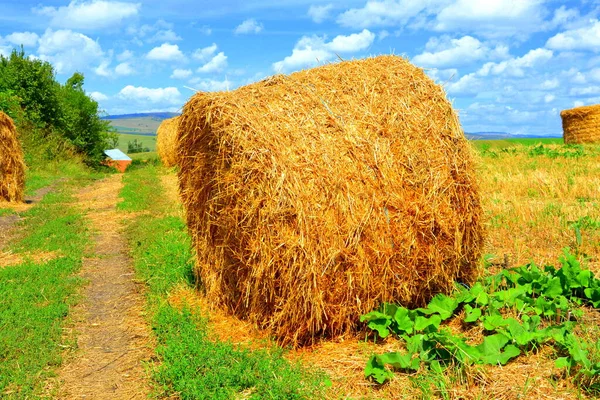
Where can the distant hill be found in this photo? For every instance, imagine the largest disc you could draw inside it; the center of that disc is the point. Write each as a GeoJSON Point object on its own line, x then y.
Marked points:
{"type": "Point", "coordinates": [144, 124]}
{"type": "Point", "coordinates": [158, 115]}
{"type": "Point", "coordinates": [504, 136]}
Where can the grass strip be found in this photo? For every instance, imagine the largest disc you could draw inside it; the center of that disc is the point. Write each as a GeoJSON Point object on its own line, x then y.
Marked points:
{"type": "Point", "coordinates": [35, 297]}
{"type": "Point", "coordinates": [193, 365]}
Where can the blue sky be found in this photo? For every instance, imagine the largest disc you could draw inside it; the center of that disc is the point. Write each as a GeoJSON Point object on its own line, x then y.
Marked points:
{"type": "Point", "coordinates": [507, 65]}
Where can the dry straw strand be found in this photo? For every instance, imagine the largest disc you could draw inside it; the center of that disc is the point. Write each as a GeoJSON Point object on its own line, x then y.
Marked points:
{"type": "Point", "coordinates": [166, 141]}
{"type": "Point", "coordinates": [581, 124]}
{"type": "Point", "coordinates": [12, 166]}
{"type": "Point", "coordinates": [312, 198]}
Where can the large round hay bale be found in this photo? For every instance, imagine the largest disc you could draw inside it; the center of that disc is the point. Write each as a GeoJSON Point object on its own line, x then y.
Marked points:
{"type": "Point", "coordinates": [581, 124]}
{"type": "Point", "coordinates": [166, 141]}
{"type": "Point", "coordinates": [314, 197]}
{"type": "Point", "coordinates": [12, 166]}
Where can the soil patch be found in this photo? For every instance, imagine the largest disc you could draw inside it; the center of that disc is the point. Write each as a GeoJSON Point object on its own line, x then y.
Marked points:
{"type": "Point", "coordinates": [113, 339]}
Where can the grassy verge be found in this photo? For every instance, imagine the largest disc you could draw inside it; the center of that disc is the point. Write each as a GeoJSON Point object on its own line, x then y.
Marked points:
{"type": "Point", "coordinates": [193, 364]}
{"type": "Point", "coordinates": [35, 296]}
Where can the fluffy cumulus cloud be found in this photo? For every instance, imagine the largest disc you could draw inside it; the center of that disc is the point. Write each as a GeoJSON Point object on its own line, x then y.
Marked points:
{"type": "Point", "coordinates": [124, 69]}
{"type": "Point", "coordinates": [516, 66]}
{"type": "Point", "coordinates": [181, 73]}
{"type": "Point", "coordinates": [27, 39]}
{"type": "Point", "coordinates": [384, 13]}
{"type": "Point", "coordinates": [210, 85]}
{"type": "Point", "coordinates": [493, 18]}
{"type": "Point", "coordinates": [69, 51]}
{"type": "Point", "coordinates": [160, 31]}
{"type": "Point", "coordinates": [248, 26]}
{"type": "Point", "coordinates": [216, 64]}
{"type": "Point", "coordinates": [319, 13]}
{"type": "Point", "coordinates": [206, 53]}
{"type": "Point", "coordinates": [166, 52]}
{"type": "Point", "coordinates": [98, 96]}
{"type": "Point", "coordinates": [95, 14]}
{"type": "Point", "coordinates": [168, 95]}
{"type": "Point", "coordinates": [583, 38]}
{"type": "Point", "coordinates": [447, 52]}
{"type": "Point", "coordinates": [313, 49]}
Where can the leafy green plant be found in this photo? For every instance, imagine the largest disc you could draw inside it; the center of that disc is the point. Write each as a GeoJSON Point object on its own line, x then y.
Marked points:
{"type": "Point", "coordinates": [546, 304]}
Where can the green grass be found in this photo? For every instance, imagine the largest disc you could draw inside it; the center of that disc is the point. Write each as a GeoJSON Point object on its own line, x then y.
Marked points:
{"type": "Point", "coordinates": [504, 143]}
{"type": "Point", "coordinates": [193, 364]}
{"type": "Point", "coordinates": [148, 155]}
{"type": "Point", "coordinates": [147, 141]}
{"type": "Point", "coordinates": [35, 297]}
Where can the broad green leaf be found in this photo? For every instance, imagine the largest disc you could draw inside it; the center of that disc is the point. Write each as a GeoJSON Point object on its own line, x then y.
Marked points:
{"type": "Point", "coordinates": [377, 371]}
{"type": "Point", "coordinates": [421, 323]}
{"type": "Point", "coordinates": [491, 350]}
{"type": "Point", "coordinates": [397, 360]}
{"type": "Point", "coordinates": [442, 304]}
{"type": "Point", "coordinates": [564, 362]}
{"type": "Point", "coordinates": [553, 288]}
{"type": "Point", "coordinates": [493, 322]}
{"type": "Point", "coordinates": [403, 322]}
{"type": "Point", "coordinates": [472, 314]}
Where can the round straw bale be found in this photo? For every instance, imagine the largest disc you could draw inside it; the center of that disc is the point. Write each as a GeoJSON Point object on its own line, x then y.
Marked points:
{"type": "Point", "coordinates": [166, 141]}
{"type": "Point", "coordinates": [581, 124]}
{"type": "Point", "coordinates": [314, 197]}
{"type": "Point", "coordinates": [12, 166]}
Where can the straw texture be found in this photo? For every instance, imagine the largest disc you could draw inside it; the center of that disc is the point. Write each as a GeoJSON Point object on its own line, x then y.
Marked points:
{"type": "Point", "coordinates": [12, 166]}
{"type": "Point", "coordinates": [312, 198]}
{"type": "Point", "coordinates": [166, 141]}
{"type": "Point", "coordinates": [581, 124]}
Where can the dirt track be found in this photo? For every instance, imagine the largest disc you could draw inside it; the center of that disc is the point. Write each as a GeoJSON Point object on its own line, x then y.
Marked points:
{"type": "Point", "coordinates": [112, 335]}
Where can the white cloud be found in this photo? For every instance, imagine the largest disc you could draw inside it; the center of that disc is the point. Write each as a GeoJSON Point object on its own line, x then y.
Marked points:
{"type": "Point", "coordinates": [312, 49]}
{"type": "Point", "coordinates": [181, 73]}
{"type": "Point", "coordinates": [466, 85]}
{"type": "Point", "coordinates": [445, 52]}
{"type": "Point", "coordinates": [492, 18]}
{"type": "Point", "coordinates": [217, 63]}
{"type": "Point", "coordinates": [69, 51]}
{"type": "Point", "coordinates": [210, 85]}
{"type": "Point", "coordinates": [383, 13]}
{"type": "Point", "coordinates": [124, 69]}
{"type": "Point", "coordinates": [585, 91]}
{"type": "Point", "coordinates": [352, 43]}
{"type": "Point", "coordinates": [159, 95]}
{"type": "Point", "coordinates": [578, 103]}
{"type": "Point", "coordinates": [550, 84]}
{"type": "Point", "coordinates": [584, 38]}
{"type": "Point", "coordinates": [549, 98]}
{"type": "Point", "coordinates": [125, 56]}
{"type": "Point", "coordinates": [319, 13]}
{"type": "Point", "coordinates": [27, 39]}
{"type": "Point", "coordinates": [594, 74]}
{"type": "Point", "coordinates": [167, 35]}
{"type": "Point", "coordinates": [103, 69]}
{"type": "Point", "coordinates": [94, 14]}
{"type": "Point", "coordinates": [249, 26]}
{"type": "Point", "coordinates": [166, 52]}
{"type": "Point", "coordinates": [98, 96]}
{"type": "Point", "coordinates": [205, 53]}
{"type": "Point", "coordinates": [515, 67]}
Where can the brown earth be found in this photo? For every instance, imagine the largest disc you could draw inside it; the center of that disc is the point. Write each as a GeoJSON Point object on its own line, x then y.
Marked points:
{"type": "Point", "coordinates": [113, 339]}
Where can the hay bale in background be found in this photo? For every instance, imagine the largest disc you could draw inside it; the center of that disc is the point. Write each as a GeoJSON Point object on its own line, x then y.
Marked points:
{"type": "Point", "coordinates": [12, 166]}
{"type": "Point", "coordinates": [581, 124]}
{"type": "Point", "coordinates": [312, 198]}
{"type": "Point", "coordinates": [166, 141]}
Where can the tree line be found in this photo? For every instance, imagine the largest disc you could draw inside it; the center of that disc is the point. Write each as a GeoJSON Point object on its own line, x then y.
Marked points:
{"type": "Point", "coordinates": [53, 119]}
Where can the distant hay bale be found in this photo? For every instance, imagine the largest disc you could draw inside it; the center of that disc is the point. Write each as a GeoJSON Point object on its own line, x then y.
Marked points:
{"type": "Point", "coordinates": [12, 166]}
{"type": "Point", "coordinates": [314, 197]}
{"type": "Point", "coordinates": [581, 124]}
{"type": "Point", "coordinates": [166, 141]}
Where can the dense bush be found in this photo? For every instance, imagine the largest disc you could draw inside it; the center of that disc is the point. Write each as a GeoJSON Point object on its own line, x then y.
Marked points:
{"type": "Point", "coordinates": [53, 119]}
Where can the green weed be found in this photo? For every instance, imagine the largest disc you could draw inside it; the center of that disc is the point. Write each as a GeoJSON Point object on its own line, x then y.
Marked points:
{"type": "Point", "coordinates": [193, 365]}
{"type": "Point", "coordinates": [35, 298]}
